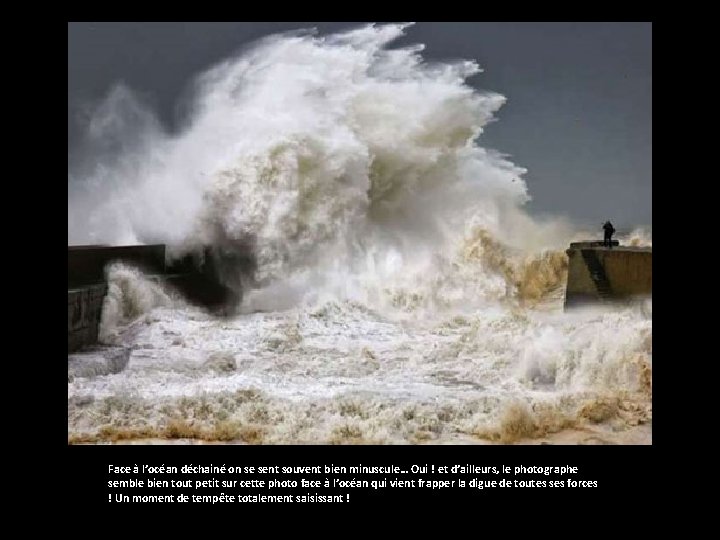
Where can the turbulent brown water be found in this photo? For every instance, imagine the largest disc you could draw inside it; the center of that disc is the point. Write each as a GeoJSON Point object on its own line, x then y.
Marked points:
{"type": "Point", "coordinates": [402, 294]}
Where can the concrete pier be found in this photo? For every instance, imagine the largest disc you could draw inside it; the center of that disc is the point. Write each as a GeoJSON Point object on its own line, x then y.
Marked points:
{"type": "Point", "coordinates": [86, 264]}
{"type": "Point", "coordinates": [84, 310]}
{"type": "Point", "coordinates": [210, 279]}
{"type": "Point", "coordinates": [601, 274]}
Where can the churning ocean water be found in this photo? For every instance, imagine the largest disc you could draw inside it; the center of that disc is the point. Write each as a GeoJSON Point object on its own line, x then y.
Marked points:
{"type": "Point", "coordinates": [402, 293]}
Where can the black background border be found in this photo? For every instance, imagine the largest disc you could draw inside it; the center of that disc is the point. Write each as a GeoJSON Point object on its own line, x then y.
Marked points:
{"type": "Point", "coordinates": [622, 472]}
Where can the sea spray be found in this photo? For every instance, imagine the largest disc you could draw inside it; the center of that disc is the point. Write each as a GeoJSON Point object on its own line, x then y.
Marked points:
{"type": "Point", "coordinates": [401, 294]}
{"type": "Point", "coordinates": [331, 154]}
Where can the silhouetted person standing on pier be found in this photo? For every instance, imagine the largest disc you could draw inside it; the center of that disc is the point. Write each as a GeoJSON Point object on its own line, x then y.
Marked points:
{"type": "Point", "coordinates": [609, 230]}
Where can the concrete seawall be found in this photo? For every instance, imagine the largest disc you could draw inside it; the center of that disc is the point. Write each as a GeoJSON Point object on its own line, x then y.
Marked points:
{"type": "Point", "coordinates": [84, 310]}
{"type": "Point", "coordinates": [203, 279]}
{"type": "Point", "coordinates": [600, 274]}
{"type": "Point", "coordinates": [86, 264]}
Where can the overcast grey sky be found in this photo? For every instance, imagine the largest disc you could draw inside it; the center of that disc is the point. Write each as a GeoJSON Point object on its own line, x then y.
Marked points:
{"type": "Point", "coordinates": [578, 116]}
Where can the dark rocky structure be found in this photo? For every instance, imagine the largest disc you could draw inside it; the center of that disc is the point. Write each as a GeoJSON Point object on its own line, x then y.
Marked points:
{"type": "Point", "coordinates": [211, 278]}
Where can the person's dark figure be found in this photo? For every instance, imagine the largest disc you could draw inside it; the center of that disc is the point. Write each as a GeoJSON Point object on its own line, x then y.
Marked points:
{"type": "Point", "coordinates": [609, 230]}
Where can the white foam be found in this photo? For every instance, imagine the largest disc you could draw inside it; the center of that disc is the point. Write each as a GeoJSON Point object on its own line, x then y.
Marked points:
{"type": "Point", "coordinates": [397, 268]}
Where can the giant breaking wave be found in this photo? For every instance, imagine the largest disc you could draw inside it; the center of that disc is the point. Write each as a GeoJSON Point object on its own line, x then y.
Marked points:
{"type": "Point", "coordinates": [399, 281]}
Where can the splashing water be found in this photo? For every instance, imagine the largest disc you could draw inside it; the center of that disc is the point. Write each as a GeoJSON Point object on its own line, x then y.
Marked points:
{"type": "Point", "coordinates": [403, 295]}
